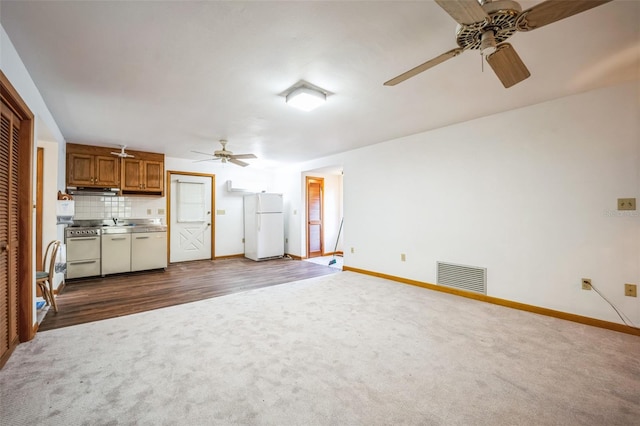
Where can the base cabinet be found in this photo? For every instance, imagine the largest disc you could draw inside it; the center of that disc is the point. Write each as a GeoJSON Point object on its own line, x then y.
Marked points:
{"type": "Point", "coordinates": [116, 253]}
{"type": "Point", "coordinates": [148, 251]}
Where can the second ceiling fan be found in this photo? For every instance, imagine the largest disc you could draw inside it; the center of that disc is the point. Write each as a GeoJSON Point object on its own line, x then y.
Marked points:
{"type": "Point", "coordinates": [486, 26]}
{"type": "Point", "coordinates": [224, 155]}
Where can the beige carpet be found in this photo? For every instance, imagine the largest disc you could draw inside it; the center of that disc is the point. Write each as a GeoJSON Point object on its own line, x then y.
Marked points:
{"type": "Point", "coordinates": [343, 349]}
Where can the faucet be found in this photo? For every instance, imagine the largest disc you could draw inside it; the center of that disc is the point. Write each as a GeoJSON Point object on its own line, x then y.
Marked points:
{"type": "Point", "coordinates": [115, 221]}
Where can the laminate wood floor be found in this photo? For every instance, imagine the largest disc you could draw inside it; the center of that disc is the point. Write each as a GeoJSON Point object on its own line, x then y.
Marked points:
{"type": "Point", "coordinates": [94, 299]}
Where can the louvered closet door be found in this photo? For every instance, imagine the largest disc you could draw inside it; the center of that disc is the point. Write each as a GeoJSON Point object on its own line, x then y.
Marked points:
{"type": "Point", "coordinates": [9, 144]}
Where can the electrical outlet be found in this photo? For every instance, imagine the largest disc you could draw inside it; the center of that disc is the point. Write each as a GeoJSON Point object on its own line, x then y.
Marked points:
{"type": "Point", "coordinates": [631, 290]}
{"type": "Point", "coordinates": [149, 212]}
{"type": "Point", "coordinates": [403, 257]}
{"type": "Point", "coordinates": [160, 211]}
{"type": "Point", "coordinates": [586, 283]}
{"type": "Point", "coordinates": [220, 212]}
{"type": "Point", "coordinates": [626, 203]}
{"type": "Point", "coordinates": [353, 250]}
{"type": "Point", "coordinates": [243, 240]}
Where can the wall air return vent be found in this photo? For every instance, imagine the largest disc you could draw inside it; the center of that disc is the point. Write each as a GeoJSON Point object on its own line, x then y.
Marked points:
{"type": "Point", "coordinates": [470, 278]}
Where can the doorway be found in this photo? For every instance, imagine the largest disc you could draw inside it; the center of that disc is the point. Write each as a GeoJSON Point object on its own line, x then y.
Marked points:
{"type": "Point", "coordinates": [315, 210]}
{"type": "Point", "coordinates": [190, 203]}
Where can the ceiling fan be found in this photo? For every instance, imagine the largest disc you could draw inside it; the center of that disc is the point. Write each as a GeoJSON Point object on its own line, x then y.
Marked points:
{"type": "Point", "coordinates": [225, 155]}
{"type": "Point", "coordinates": [486, 26]}
{"type": "Point", "coordinates": [122, 153]}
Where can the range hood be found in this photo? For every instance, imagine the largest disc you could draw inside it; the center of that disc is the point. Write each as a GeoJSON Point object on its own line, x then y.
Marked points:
{"type": "Point", "coordinates": [81, 190]}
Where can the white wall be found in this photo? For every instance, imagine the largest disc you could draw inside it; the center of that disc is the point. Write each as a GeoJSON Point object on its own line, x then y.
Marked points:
{"type": "Point", "coordinates": [17, 73]}
{"type": "Point", "coordinates": [529, 194]}
{"type": "Point", "coordinates": [332, 212]}
{"type": "Point", "coordinates": [229, 227]}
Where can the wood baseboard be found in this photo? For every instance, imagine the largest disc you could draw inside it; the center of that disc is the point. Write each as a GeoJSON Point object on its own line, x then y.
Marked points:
{"type": "Point", "coordinates": [35, 327]}
{"type": "Point", "coordinates": [293, 256]}
{"type": "Point", "coordinates": [230, 256]}
{"type": "Point", "coordinates": [507, 303]}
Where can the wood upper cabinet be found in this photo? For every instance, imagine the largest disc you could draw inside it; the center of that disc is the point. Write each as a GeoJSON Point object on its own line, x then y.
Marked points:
{"type": "Point", "coordinates": [143, 174]}
{"type": "Point", "coordinates": [92, 166]}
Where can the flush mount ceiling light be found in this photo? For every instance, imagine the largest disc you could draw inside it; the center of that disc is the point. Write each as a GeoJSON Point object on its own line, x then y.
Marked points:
{"type": "Point", "coordinates": [305, 96]}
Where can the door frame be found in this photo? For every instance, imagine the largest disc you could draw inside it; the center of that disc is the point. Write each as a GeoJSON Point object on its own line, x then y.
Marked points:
{"type": "Point", "coordinates": [307, 180]}
{"type": "Point", "coordinates": [39, 201]}
{"type": "Point", "coordinates": [213, 208]}
{"type": "Point", "coordinates": [26, 326]}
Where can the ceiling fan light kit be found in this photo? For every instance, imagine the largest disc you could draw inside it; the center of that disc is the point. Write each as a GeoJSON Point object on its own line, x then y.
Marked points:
{"type": "Point", "coordinates": [306, 98]}
{"type": "Point", "coordinates": [486, 25]}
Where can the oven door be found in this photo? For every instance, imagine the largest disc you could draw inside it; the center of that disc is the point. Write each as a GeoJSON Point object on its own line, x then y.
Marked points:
{"type": "Point", "coordinates": [83, 248]}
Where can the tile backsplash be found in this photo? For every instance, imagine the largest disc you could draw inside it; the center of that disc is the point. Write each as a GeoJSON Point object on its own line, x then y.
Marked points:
{"type": "Point", "coordinates": [99, 207]}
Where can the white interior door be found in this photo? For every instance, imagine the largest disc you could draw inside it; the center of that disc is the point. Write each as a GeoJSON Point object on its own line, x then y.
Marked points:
{"type": "Point", "coordinates": [191, 225]}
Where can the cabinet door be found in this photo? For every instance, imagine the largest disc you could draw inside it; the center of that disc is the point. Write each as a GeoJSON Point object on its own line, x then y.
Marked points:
{"type": "Point", "coordinates": [153, 176]}
{"type": "Point", "coordinates": [107, 171]}
{"type": "Point", "coordinates": [81, 168]}
{"type": "Point", "coordinates": [148, 251]}
{"type": "Point", "coordinates": [116, 253]}
{"type": "Point", "coordinates": [133, 173]}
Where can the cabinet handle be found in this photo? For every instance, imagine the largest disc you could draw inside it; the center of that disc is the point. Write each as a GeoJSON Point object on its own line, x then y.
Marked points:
{"type": "Point", "coordinates": [141, 238]}
{"type": "Point", "coordinates": [84, 262]}
{"type": "Point", "coordinates": [118, 239]}
{"type": "Point", "coordinates": [83, 239]}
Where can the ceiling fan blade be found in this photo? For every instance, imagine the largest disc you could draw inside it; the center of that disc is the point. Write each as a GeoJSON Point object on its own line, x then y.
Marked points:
{"type": "Point", "coordinates": [420, 68]}
{"type": "Point", "coordinates": [465, 12]}
{"type": "Point", "coordinates": [551, 11]}
{"type": "Point", "coordinates": [243, 156]}
{"type": "Point", "coordinates": [238, 162]}
{"type": "Point", "coordinates": [507, 65]}
{"type": "Point", "coordinates": [203, 153]}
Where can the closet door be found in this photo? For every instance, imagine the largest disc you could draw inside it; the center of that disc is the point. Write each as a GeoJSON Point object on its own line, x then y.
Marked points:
{"type": "Point", "coordinates": [9, 216]}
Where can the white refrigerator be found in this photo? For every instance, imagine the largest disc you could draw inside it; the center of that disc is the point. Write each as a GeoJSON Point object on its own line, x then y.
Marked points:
{"type": "Point", "coordinates": [263, 226]}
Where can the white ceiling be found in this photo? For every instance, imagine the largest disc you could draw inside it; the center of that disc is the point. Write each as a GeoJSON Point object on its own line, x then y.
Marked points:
{"type": "Point", "coordinates": [176, 76]}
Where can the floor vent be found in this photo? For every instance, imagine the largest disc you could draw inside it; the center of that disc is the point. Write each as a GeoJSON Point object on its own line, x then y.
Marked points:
{"type": "Point", "coordinates": [471, 278]}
